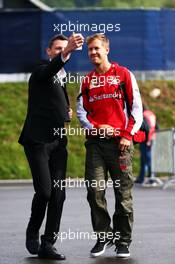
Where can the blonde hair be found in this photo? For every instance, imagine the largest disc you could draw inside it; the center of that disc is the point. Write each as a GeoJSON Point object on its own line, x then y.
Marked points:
{"type": "Point", "coordinates": [99, 36]}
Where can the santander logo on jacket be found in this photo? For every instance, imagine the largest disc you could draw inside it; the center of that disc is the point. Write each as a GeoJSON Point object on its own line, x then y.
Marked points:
{"type": "Point", "coordinates": [102, 101]}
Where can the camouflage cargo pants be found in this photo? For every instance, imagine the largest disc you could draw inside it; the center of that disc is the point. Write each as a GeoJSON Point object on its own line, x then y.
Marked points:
{"type": "Point", "coordinates": [103, 157]}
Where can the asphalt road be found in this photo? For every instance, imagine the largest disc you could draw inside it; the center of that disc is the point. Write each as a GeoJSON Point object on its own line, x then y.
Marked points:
{"type": "Point", "coordinates": [153, 235]}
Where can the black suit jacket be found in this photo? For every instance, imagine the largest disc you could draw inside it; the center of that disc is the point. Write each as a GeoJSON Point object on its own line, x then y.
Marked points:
{"type": "Point", "coordinates": [48, 103]}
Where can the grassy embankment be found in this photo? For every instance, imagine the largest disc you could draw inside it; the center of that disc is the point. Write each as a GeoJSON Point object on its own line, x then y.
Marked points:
{"type": "Point", "coordinates": [13, 100]}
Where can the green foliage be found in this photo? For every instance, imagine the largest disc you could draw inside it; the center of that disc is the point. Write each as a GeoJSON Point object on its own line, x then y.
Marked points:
{"type": "Point", "coordinates": [99, 3]}
{"type": "Point", "coordinates": [60, 3]}
{"type": "Point", "coordinates": [132, 3]}
{"type": "Point", "coordinates": [169, 3]}
{"type": "Point", "coordinates": [111, 3]}
{"type": "Point", "coordinates": [13, 103]}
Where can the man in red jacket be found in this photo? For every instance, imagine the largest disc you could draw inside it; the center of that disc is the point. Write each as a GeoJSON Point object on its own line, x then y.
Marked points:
{"type": "Point", "coordinates": [102, 111]}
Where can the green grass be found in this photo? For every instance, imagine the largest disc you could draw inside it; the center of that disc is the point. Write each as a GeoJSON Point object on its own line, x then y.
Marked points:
{"type": "Point", "coordinates": [111, 3]}
{"type": "Point", "coordinates": [13, 102]}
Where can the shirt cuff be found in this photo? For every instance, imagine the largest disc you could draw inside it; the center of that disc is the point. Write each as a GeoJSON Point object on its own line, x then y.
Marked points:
{"type": "Point", "coordinates": [127, 135]}
{"type": "Point", "coordinates": [65, 59]}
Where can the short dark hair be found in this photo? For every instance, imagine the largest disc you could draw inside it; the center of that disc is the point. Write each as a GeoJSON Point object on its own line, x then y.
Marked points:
{"type": "Point", "coordinates": [56, 37]}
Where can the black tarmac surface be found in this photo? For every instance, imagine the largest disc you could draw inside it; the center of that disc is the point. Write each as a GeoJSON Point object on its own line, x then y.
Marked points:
{"type": "Point", "coordinates": [153, 235]}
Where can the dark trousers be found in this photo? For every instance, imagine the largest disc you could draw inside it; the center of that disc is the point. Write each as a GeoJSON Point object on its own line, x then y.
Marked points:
{"type": "Point", "coordinates": [145, 162]}
{"type": "Point", "coordinates": [103, 156]}
{"type": "Point", "coordinates": [48, 166]}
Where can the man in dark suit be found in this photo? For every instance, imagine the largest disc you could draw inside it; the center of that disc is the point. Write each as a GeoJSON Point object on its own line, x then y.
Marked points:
{"type": "Point", "coordinates": [48, 109]}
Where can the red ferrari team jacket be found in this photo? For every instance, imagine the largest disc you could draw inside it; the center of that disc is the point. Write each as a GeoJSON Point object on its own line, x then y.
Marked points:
{"type": "Point", "coordinates": [102, 101]}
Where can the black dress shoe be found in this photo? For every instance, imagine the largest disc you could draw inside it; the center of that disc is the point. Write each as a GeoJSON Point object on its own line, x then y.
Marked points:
{"type": "Point", "coordinates": [32, 243]}
{"type": "Point", "coordinates": [47, 251]}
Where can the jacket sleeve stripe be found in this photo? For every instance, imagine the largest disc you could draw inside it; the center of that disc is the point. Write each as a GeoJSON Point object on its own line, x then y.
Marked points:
{"type": "Point", "coordinates": [82, 113]}
{"type": "Point", "coordinates": [137, 109]}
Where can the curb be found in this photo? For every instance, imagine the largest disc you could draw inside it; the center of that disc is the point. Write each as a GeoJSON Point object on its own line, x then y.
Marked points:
{"type": "Point", "coordinates": [15, 182]}
{"type": "Point", "coordinates": [25, 182]}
